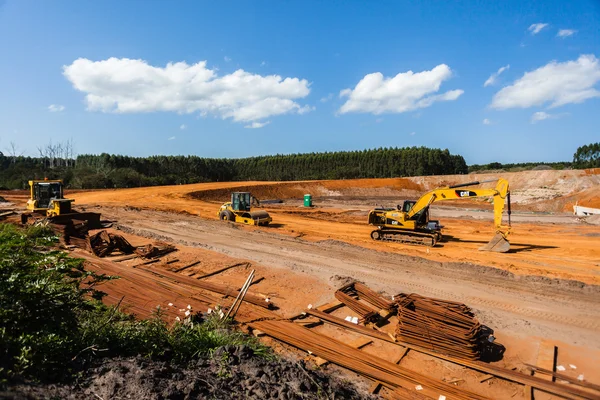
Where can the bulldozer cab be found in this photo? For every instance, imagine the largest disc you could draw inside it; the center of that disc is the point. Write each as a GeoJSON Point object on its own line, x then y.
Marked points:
{"type": "Point", "coordinates": [45, 191]}
{"type": "Point", "coordinates": [241, 201]}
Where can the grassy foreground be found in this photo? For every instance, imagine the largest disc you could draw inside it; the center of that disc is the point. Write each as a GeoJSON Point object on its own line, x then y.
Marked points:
{"type": "Point", "coordinates": [53, 323]}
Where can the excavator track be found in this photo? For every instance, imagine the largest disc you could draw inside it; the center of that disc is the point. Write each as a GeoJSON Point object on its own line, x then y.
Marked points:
{"type": "Point", "coordinates": [406, 237]}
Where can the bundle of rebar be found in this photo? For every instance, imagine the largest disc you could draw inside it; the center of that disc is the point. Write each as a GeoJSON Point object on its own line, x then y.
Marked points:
{"type": "Point", "coordinates": [372, 296]}
{"type": "Point", "coordinates": [104, 243]}
{"type": "Point", "coordinates": [441, 326]}
{"type": "Point", "coordinates": [70, 230]}
{"type": "Point", "coordinates": [378, 369]}
{"type": "Point", "coordinates": [364, 311]}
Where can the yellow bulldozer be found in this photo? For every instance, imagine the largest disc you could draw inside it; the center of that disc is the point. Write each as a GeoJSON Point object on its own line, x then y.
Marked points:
{"type": "Point", "coordinates": [47, 197]}
{"type": "Point", "coordinates": [239, 210]}
{"type": "Point", "coordinates": [47, 201]}
{"type": "Point", "coordinates": [410, 223]}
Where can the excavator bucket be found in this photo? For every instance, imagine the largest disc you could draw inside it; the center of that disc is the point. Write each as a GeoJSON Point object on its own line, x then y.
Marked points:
{"type": "Point", "coordinates": [498, 244]}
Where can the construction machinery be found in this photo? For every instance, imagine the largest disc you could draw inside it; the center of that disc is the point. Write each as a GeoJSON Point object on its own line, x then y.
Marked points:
{"type": "Point", "coordinates": [410, 223]}
{"type": "Point", "coordinates": [239, 210]}
{"type": "Point", "coordinates": [47, 201]}
{"type": "Point", "coordinates": [46, 197]}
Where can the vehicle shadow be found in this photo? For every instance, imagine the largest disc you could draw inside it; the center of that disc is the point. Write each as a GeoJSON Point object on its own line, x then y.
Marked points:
{"type": "Point", "coordinates": [276, 225]}
{"type": "Point", "coordinates": [514, 247]}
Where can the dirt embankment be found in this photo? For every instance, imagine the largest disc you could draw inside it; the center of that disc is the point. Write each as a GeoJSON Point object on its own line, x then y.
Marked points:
{"type": "Point", "coordinates": [232, 373]}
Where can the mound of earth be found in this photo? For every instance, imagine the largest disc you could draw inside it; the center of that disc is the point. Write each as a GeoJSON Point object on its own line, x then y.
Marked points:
{"type": "Point", "coordinates": [234, 372]}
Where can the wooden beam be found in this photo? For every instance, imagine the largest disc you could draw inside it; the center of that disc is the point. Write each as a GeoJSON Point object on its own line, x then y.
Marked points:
{"type": "Point", "coordinates": [220, 270]}
{"type": "Point", "coordinates": [186, 266]}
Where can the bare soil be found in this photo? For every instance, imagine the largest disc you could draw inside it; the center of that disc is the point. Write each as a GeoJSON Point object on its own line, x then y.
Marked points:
{"type": "Point", "coordinates": [233, 372]}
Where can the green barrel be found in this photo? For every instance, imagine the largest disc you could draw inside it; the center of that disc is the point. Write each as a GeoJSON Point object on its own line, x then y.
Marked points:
{"type": "Point", "coordinates": [307, 200]}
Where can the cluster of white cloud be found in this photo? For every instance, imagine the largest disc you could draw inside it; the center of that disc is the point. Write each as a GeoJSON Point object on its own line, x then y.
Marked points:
{"type": "Point", "coordinates": [486, 121]}
{"type": "Point", "coordinates": [541, 115]}
{"type": "Point", "coordinates": [555, 83]}
{"type": "Point", "coordinates": [536, 28]}
{"type": "Point", "coordinates": [406, 91]}
{"type": "Point", "coordinates": [183, 127]}
{"type": "Point", "coordinates": [56, 108]}
{"type": "Point", "coordinates": [125, 85]}
{"type": "Point", "coordinates": [562, 33]}
{"type": "Point", "coordinates": [492, 79]}
{"type": "Point", "coordinates": [256, 125]}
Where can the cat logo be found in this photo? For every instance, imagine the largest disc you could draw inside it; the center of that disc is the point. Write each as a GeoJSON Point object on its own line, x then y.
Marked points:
{"type": "Point", "coordinates": [465, 193]}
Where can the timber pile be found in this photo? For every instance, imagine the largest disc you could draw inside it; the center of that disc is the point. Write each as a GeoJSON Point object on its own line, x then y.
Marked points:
{"type": "Point", "coordinates": [441, 326]}
{"type": "Point", "coordinates": [104, 243]}
{"type": "Point", "coordinates": [151, 251]}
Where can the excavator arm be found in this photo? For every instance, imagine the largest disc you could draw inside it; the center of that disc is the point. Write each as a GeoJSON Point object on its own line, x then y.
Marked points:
{"type": "Point", "coordinates": [499, 194]}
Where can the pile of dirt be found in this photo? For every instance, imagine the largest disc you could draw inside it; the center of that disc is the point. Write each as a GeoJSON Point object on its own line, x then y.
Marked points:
{"type": "Point", "coordinates": [232, 372]}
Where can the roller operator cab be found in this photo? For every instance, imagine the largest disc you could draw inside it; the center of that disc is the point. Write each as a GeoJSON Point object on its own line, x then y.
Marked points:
{"type": "Point", "coordinates": [239, 210]}
{"type": "Point", "coordinates": [46, 196]}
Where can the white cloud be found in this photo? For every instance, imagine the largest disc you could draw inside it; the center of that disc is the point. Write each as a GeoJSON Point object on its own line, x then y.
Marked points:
{"type": "Point", "coordinates": [56, 108]}
{"type": "Point", "coordinates": [327, 98]}
{"type": "Point", "coordinates": [256, 125]}
{"type": "Point", "coordinates": [486, 121]}
{"type": "Point", "coordinates": [412, 133]}
{"type": "Point", "coordinates": [536, 28]}
{"type": "Point", "coordinates": [227, 59]}
{"type": "Point", "coordinates": [133, 86]}
{"type": "Point", "coordinates": [171, 138]}
{"type": "Point", "coordinates": [262, 64]}
{"type": "Point", "coordinates": [406, 91]}
{"type": "Point", "coordinates": [379, 120]}
{"type": "Point", "coordinates": [556, 83]}
{"type": "Point", "coordinates": [183, 127]}
{"type": "Point", "coordinates": [492, 79]}
{"type": "Point", "coordinates": [563, 33]}
{"type": "Point", "coordinates": [541, 115]}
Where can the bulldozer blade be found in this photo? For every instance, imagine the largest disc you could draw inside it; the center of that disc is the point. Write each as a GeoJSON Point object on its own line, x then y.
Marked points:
{"type": "Point", "coordinates": [498, 244]}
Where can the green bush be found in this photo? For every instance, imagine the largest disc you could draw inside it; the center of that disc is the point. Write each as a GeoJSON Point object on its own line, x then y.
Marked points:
{"type": "Point", "coordinates": [51, 326]}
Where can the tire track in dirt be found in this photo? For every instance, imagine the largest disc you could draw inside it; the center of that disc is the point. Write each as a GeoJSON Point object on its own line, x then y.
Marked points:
{"type": "Point", "coordinates": [560, 308]}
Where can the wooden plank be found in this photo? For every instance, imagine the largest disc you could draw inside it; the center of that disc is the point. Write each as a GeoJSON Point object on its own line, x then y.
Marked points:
{"type": "Point", "coordinates": [186, 266]}
{"type": "Point", "coordinates": [329, 307]}
{"type": "Point", "coordinates": [220, 270]}
{"type": "Point", "coordinates": [147, 262]}
{"type": "Point", "coordinates": [546, 359]}
{"type": "Point", "coordinates": [122, 258]}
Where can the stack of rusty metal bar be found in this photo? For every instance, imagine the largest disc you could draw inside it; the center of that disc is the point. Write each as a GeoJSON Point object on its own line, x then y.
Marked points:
{"type": "Point", "coordinates": [104, 243]}
{"type": "Point", "coordinates": [368, 294]}
{"type": "Point", "coordinates": [151, 251]}
{"type": "Point", "coordinates": [441, 326]}
{"type": "Point", "coordinates": [349, 297]}
{"type": "Point", "coordinates": [71, 231]}
{"type": "Point", "coordinates": [410, 384]}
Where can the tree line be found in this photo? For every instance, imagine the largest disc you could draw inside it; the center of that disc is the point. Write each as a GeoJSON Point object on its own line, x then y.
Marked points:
{"type": "Point", "coordinates": [116, 171]}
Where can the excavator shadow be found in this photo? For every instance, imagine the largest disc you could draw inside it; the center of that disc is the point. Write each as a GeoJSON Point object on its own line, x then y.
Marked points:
{"type": "Point", "coordinates": [514, 247]}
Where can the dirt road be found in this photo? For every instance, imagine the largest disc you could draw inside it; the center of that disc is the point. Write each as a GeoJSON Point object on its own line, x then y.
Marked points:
{"type": "Point", "coordinates": [521, 305]}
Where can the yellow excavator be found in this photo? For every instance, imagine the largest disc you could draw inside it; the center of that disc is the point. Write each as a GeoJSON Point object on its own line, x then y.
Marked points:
{"type": "Point", "coordinates": [410, 223]}
{"type": "Point", "coordinates": [239, 210]}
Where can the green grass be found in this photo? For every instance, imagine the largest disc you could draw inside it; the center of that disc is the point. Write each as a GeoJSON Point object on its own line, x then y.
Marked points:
{"type": "Point", "coordinates": [52, 324]}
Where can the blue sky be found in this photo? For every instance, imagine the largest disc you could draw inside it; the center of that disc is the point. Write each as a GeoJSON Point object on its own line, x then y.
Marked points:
{"type": "Point", "coordinates": [97, 72]}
